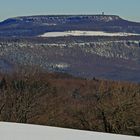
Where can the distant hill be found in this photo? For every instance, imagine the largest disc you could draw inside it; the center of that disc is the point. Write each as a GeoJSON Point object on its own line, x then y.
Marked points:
{"type": "Point", "coordinates": [36, 25]}
{"type": "Point", "coordinates": [107, 57]}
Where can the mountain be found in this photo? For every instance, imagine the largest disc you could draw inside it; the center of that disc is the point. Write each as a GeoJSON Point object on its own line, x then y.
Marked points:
{"type": "Point", "coordinates": [28, 26]}
{"type": "Point", "coordinates": [23, 41]}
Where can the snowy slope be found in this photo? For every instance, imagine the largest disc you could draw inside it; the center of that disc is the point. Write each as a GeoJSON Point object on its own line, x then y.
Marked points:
{"type": "Point", "coordinates": [13, 131]}
{"type": "Point", "coordinates": [85, 33]}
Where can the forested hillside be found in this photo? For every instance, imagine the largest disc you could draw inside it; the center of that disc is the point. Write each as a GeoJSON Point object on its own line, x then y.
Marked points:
{"type": "Point", "coordinates": [54, 99]}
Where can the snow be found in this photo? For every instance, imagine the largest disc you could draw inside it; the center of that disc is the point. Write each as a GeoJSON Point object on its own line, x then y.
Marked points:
{"type": "Point", "coordinates": [13, 131]}
{"type": "Point", "coordinates": [85, 33]}
{"type": "Point", "coordinates": [60, 65]}
{"type": "Point", "coordinates": [49, 24]}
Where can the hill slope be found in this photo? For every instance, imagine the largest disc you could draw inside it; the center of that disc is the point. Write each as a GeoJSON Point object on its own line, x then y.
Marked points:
{"type": "Point", "coordinates": [88, 57]}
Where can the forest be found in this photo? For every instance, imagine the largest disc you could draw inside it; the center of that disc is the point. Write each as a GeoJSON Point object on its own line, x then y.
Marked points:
{"type": "Point", "coordinates": [53, 99]}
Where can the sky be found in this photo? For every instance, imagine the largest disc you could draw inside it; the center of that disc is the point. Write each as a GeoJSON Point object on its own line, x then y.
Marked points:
{"type": "Point", "coordinates": [128, 9]}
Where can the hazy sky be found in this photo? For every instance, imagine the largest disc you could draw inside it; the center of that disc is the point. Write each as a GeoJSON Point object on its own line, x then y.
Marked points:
{"type": "Point", "coordinates": [129, 9]}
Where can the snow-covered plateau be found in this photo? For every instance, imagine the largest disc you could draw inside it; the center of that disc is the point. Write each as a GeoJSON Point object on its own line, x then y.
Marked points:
{"type": "Point", "coordinates": [13, 131]}
{"type": "Point", "coordinates": [85, 33]}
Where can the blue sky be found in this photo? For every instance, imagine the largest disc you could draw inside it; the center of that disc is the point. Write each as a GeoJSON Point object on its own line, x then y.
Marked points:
{"type": "Point", "coordinates": [129, 9]}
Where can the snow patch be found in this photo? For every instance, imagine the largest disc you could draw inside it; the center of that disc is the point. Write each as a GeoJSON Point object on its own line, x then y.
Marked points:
{"type": "Point", "coordinates": [85, 33]}
{"type": "Point", "coordinates": [13, 131]}
{"type": "Point", "coordinates": [49, 24]}
{"type": "Point", "coordinates": [60, 65]}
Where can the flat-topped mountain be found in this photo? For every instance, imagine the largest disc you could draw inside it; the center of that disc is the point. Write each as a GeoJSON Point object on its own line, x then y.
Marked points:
{"type": "Point", "coordinates": [37, 25]}
{"type": "Point", "coordinates": [64, 18]}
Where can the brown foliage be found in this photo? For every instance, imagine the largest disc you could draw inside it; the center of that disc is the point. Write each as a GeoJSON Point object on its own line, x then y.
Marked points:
{"type": "Point", "coordinates": [64, 101]}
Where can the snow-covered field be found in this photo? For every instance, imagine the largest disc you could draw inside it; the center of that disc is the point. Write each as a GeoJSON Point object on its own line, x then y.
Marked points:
{"type": "Point", "coordinates": [13, 131]}
{"type": "Point", "coordinates": [85, 33]}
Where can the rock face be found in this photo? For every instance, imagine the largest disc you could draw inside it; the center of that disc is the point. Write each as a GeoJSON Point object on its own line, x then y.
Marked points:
{"type": "Point", "coordinates": [37, 25]}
